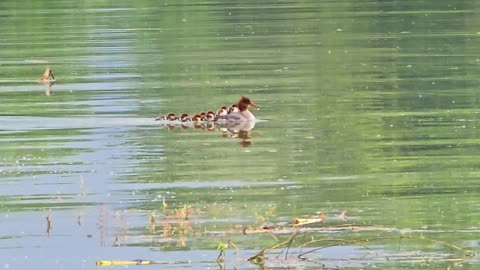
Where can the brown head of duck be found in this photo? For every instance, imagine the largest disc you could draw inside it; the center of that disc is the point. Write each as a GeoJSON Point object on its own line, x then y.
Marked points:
{"type": "Point", "coordinates": [244, 103]}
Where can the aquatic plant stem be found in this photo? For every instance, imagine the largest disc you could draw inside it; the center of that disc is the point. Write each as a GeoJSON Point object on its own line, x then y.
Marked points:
{"type": "Point", "coordinates": [345, 242]}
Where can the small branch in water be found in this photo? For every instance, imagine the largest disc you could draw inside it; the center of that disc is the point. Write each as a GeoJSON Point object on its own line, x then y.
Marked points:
{"type": "Point", "coordinates": [290, 242]}
{"type": "Point", "coordinates": [345, 242]}
{"type": "Point", "coordinates": [49, 224]}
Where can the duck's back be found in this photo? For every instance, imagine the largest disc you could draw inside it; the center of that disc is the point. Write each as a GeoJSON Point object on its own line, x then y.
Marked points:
{"type": "Point", "coordinates": [237, 117]}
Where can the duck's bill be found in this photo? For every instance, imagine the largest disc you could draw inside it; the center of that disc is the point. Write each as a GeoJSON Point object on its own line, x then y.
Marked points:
{"type": "Point", "coordinates": [255, 105]}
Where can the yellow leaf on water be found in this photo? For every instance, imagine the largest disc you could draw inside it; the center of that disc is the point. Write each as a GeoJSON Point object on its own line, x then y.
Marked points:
{"type": "Point", "coordinates": [304, 221]}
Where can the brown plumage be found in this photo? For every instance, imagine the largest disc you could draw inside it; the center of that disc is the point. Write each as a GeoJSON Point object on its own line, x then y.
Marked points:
{"type": "Point", "coordinates": [47, 75]}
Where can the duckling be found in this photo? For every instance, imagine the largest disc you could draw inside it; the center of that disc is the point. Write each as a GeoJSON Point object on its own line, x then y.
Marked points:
{"type": "Point", "coordinates": [184, 117]}
{"type": "Point", "coordinates": [171, 117]}
{"type": "Point", "coordinates": [233, 108]}
{"type": "Point", "coordinates": [210, 116]}
{"type": "Point", "coordinates": [161, 118]}
{"type": "Point", "coordinates": [222, 111]}
{"type": "Point", "coordinates": [196, 118]}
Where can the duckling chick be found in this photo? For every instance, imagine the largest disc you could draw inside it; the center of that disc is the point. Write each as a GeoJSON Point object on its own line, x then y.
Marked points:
{"type": "Point", "coordinates": [171, 117]}
{"type": "Point", "coordinates": [184, 117]}
{"type": "Point", "coordinates": [222, 111]}
{"type": "Point", "coordinates": [161, 118]}
{"type": "Point", "coordinates": [233, 108]}
{"type": "Point", "coordinates": [203, 116]}
{"type": "Point", "coordinates": [196, 118]}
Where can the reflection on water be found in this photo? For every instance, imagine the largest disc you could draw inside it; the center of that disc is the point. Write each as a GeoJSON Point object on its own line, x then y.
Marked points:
{"type": "Point", "coordinates": [229, 129]}
{"type": "Point", "coordinates": [370, 107]}
{"type": "Point", "coordinates": [48, 87]}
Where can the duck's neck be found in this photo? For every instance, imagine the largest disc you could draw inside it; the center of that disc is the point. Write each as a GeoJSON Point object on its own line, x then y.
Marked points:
{"type": "Point", "coordinates": [242, 107]}
{"type": "Point", "coordinates": [248, 114]}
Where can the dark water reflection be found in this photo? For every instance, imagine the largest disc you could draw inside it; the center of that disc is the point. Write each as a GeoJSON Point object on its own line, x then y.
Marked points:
{"type": "Point", "coordinates": [370, 107]}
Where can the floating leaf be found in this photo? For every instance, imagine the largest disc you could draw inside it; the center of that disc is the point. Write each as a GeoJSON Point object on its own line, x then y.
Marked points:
{"type": "Point", "coordinates": [222, 246]}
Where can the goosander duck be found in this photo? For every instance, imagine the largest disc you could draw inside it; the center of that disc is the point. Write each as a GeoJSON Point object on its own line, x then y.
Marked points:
{"type": "Point", "coordinates": [47, 76]}
{"type": "Point", "coordinates": [48, 80]}
{"type": "Point", "coordinates": [243, 115]}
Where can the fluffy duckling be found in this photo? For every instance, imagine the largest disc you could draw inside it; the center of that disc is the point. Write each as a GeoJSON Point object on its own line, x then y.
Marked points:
{"type": "Point", "coordinates": [169, 117]}
{"type": "Point", "coordinates": [210, 116]}
{"type": "Point", "coordinates": [233, 108]}
{"type": "Point", "coordinates": [184, 117]}
{"type": "Point", "coordinates": [222, 111]}
{"type": "Point", "coordinates": [197, 117]}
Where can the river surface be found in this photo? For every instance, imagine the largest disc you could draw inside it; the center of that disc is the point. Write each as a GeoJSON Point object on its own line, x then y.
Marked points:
{"type": "Point", "coordinates": [369, 107]}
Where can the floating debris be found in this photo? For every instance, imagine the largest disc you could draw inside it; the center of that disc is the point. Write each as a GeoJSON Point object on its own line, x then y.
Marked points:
{"type": "Point", "coordinates": [304, 221]}
{"type": "Point", "coordinates": [49, 224]}
{"type": "Point", "coordinates": [343, 216]}
{"type": "Point", "coordinates": [120, 262]}
{"type": "Point", "coordinates": [136, 262]}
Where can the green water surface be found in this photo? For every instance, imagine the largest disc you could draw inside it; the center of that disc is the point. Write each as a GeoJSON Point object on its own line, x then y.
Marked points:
{"type": "Point", "coordinates": [366, 106]}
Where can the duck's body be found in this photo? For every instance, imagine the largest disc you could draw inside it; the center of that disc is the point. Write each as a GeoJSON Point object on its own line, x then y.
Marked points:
{"type": "Point", "coordinates": [241, 116]}
{"type": "Point", "coordinates": [235, 126]}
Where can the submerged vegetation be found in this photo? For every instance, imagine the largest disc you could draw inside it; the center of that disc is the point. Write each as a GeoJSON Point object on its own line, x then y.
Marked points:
{"type": "Point", "coordinates": [305, 241]}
